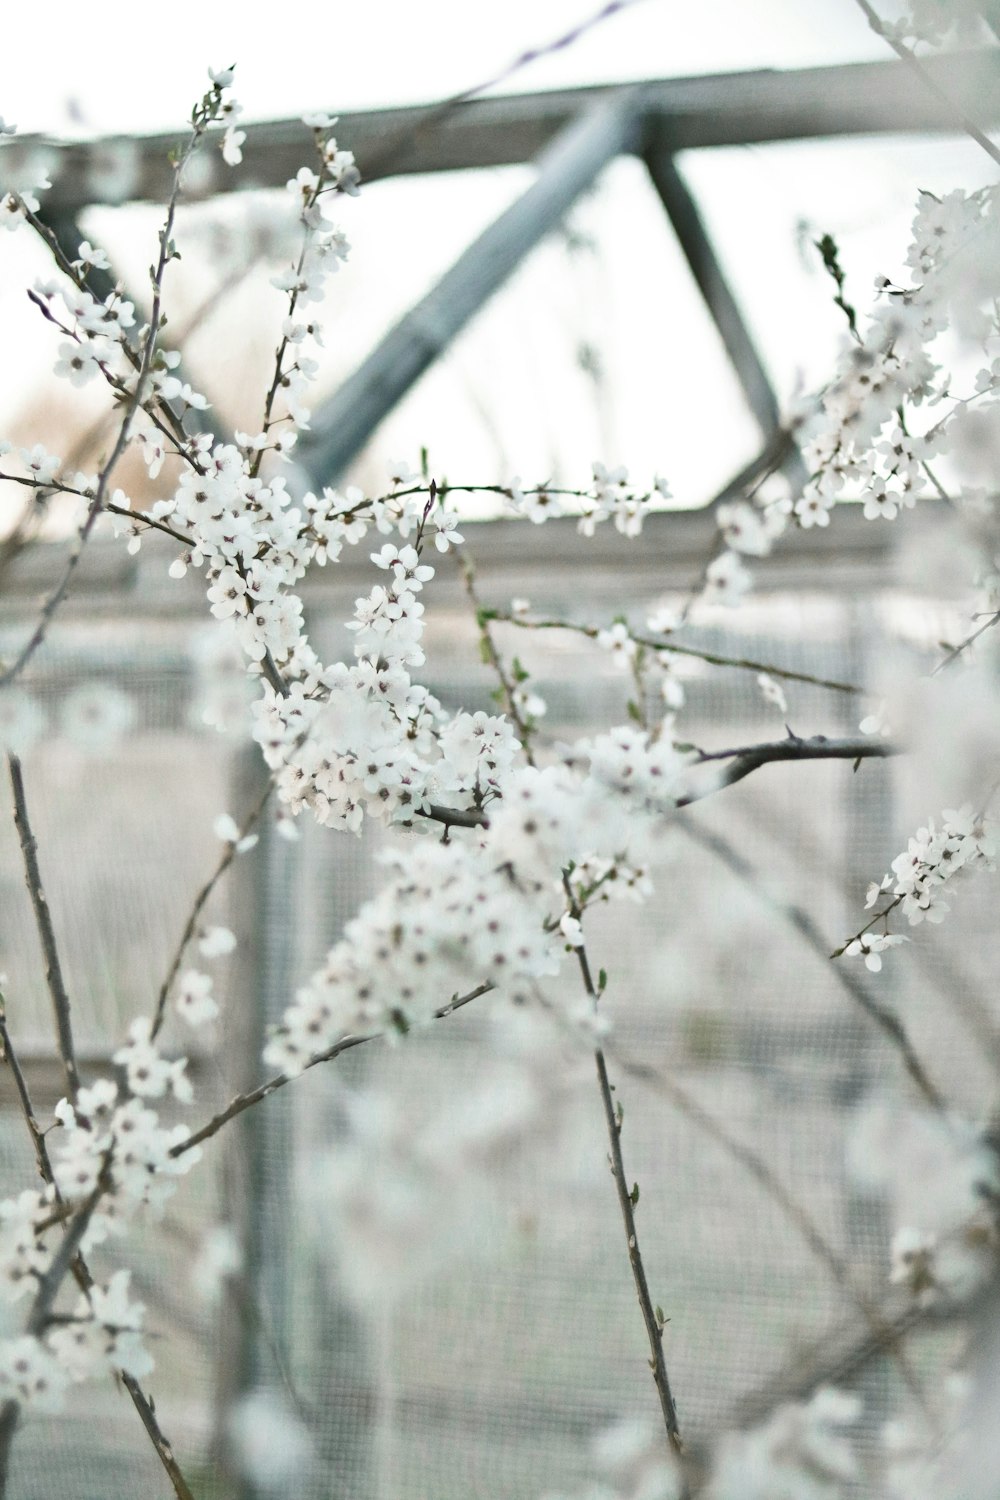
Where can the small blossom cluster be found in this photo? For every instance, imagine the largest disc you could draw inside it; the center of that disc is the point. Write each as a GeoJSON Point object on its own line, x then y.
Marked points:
{"type": "Point", "coordinates": [864, 442]}
{"type": "Point", "coordinates": [610, 498]}
{"type": "Point", "coordinates": [919, 876]}
{"type": "Point", "coordinates": [941, 1176]}
{"type": "Point", "coordinates": [805, 1450]}
{"type": "Point", "coordinates": [472, 911]}
{"type": "Point", "coordinates": [631, 1461]}
{"type": "Point", "coordinates": [110, 1159]}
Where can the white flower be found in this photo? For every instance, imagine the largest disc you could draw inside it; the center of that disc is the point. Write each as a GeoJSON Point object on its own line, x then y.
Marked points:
{"type": "Point", "coordinates": [232, 141]}
{"type": "Point", "coordinates": [773, 692]}
{"type": "Point", "coordinates": [219, 1257]}
{"type": "Point", "coordinates": [222, 77]}
{"type": "Point", "coordinates": [272, 1446]}
{"type": "Point", "coordinates": [871, 946]}
{"type": "Point", "coordinates": [876, 722]}
{"type": "Point", "coordinates": [226, 828]}
{"type": "Point", "coordinates": [215, 942]}
{"type": "Point", "coordinates": [195, 1002]}
{"type": "Point", "coordinates": [571, 930]}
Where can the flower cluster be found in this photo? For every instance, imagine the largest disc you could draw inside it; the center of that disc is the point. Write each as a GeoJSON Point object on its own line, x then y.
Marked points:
{"type": "Point", "coordinates": [803, 1452]}
{"type": "Point", "coordinates": [864, 443]}
{"type": "Point", "coordinates": [919, 876]}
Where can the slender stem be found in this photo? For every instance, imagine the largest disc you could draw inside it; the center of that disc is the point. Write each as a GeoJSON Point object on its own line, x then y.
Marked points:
{"type": "Point", "coordinates": [627, 1201]}
{"type": "Point", "coordinates": [712, 657]}
{"type": "Point", "coordinates": [9, 1056]}
{"type": "Point", "coordinates": [885, 1019]}
{"type": "Point", "coordinates": [254, 1096]}
{"type": "Point", "coordinates": [910, 58]}
{"type": "Point", "coordinates": [164, 1450]}
{"type": "Point", "coordinates": [493, 658]}
{"type": "Point", "coordinates": [752, 1162]}
{"type": "Point", "coordinates": [956, 651]}
{"type": "Point", "coordinates": [190, 926]}
{"type": "Point", "coordinates": [46, 932]}
{"type": "Point", "coordinates": [654, 1330]}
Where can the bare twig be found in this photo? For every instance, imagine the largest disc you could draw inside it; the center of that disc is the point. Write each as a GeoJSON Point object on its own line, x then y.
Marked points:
{"type": "Point", "coordinates": [712, 657]}
{"type": "Point", "coordinates": [198, 906]}
{"type": "Point", "coordinates": [910, 58]}
{"type": "Point", "coordinates": [627, 1201]}
{"type": "Point", "coordinates": [9, 1056]}
{"type": "Point", "coordinates": [794, 1211]}
{"type": "Point", "coordinates": [751, 757]}
{"type": "Point", "coordinates": [492, 657]}
{"type": "Point", "coordinates": [956, 651]}
{"type": "Point", "coordinates": [383, 160]}
{"type": "Point", "coordinates": [254, 1096]}
{"type": "Point", "coordinates": [884, 1018]}
{"type": "Point", "coordinates": [46, 932]}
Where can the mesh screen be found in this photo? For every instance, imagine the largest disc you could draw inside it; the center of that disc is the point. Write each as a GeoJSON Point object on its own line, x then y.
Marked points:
{"type": "Point", "coordinates": [492, 1377]}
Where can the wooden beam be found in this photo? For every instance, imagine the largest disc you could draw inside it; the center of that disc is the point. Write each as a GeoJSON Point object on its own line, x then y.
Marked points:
{"type": "Point", "coordinates": [343, 424]}
{"type": "Point", "coordinates": [725, 109]}
{"type": "Point", "coordinates": [707, 271]}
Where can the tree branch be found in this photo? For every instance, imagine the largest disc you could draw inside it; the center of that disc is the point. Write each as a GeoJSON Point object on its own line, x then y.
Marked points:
{"type": "Point", "coordinates": [627, 1201]}
{"type": "Point", "coordinates": [245, 1101]}
{"type": "Point", "coordinates": [910, 58]}
{"type": "Point", "coordinates": [228, 855]}
{"type": "Point", "coordinates": [751, 757]}
{"type": "Point", "coordinates": [885, 1019]}
{"type": "Point", "coordinates": [46, 932]}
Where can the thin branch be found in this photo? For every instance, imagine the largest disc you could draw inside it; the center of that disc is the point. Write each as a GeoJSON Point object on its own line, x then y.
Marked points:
{"type": "Point", "coordinates": [46, 932]}
{"type": "Point", "coordinates": [434, 114]}
{"type": "Point", "coordinates": [9, 1056]}
{"type": "Point", "coordinates": [712, 657]}
{"type": "Point", "coordinates": [190, 926]}
{"type": "Point", "coordinates": [627, 1201]}
{"type": "Point", "coordinates": [884, 1018]}
{"type": "Point", "coordinates": [750, 758]}
{"type": "Point", "coordinates": [164, 1450]}
{"type": "Point", "coordinates": [956, 651]}
{"type": "Point", "coordinates": [69, 1247]}
{"type": "Point", "coordinates": [492, 657]}
{"type": "Point", "coordinates": [794, 1211]}
{"type": "Point", "coordinates": [910, 58]}
{"type": "Point", "coordinates": [143, 520]}
{"type": "Point", "coordinates": [132, 406]}
{"type": "Point", "coordinates": [254, 1096]}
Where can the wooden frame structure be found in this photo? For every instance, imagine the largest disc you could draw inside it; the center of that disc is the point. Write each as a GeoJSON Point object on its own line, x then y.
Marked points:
{"type": "Point", "coordinates": [570, 135]}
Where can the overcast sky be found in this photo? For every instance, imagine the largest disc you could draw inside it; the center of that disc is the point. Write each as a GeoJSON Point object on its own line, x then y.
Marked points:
{"type": "Point", "coordinates": [510, 396]}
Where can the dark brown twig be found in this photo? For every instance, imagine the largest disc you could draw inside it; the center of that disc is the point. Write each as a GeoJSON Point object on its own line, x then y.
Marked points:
{"type": "Point", "coordinates": [627, 1200]}
{"type": "Point", "coordinates": [751, 757]}
{"type": "Point", "coordinates": [753, 1163]}
{"type": "Point", "coordinates": [254, 1096]}
{"type": "Point", "coordinates": [190, 926]}
{"type": "Point", "coordinates": [46, 932]}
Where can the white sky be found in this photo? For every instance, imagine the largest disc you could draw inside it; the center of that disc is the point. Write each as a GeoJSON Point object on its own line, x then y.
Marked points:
{"type": "Point", "coordinates": [510, 396]}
